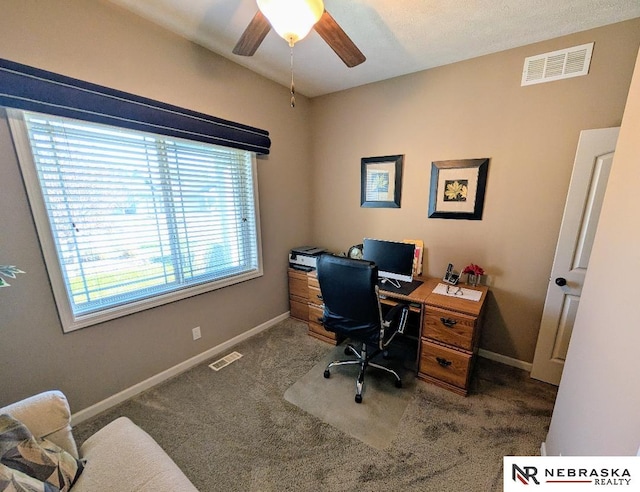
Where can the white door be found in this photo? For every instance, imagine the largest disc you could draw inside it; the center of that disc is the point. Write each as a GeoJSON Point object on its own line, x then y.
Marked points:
{"type": "Point", "coordinates": [579, 222]}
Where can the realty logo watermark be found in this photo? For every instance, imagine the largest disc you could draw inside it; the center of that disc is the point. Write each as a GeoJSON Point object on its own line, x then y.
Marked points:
{"type": "Point", "coordinates": [524, 474]}
{"type": "Point", "coordinates": [548, 473]}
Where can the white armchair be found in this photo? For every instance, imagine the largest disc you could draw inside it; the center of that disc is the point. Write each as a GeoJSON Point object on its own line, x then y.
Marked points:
{"type": "Point", "coordinates": [120, 456]}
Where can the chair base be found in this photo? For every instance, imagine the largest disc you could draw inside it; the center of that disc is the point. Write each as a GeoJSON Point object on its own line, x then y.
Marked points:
{"type": "Point", "coordinates": [364, 361]}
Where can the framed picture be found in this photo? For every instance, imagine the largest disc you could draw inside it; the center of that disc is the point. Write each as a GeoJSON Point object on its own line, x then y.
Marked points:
{"type": "Point", "coordinates": [457, 189]}
{"type": "Point", "coordinates": [381, 183]}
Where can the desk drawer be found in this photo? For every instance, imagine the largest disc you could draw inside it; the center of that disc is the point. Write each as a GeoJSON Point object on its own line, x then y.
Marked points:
{"type": "Point", "coordinates": [315, 323]}
{"type": "Point", "coordinates": [298, 284]}
{"type": "Point", "coordinates": [299, 308]}
{"type": "Point", "coordinates": [449, 327]}
{"type": "Point", "coordinates": [313, 280]}
{"type": "Point", "coordinates": [315, 296]}
{"type": "Point", "coordinates": [317, 330]}
{"type": "Point", "coordinates": [445, 364]}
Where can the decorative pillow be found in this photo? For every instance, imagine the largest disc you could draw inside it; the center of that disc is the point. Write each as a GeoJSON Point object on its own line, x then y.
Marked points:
{"type": "Point", "coordinates": [36, 457]}
{"type": "Point", "coordinates": [14, 481]}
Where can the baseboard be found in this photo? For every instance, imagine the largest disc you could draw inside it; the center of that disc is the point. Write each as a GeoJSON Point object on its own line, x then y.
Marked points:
{"type": "Point", "coordinates": [520, 364]}
{"type": "Point", "coordinates": [132, 391]}
{"type": "Point", "coordinates": [113, 400]}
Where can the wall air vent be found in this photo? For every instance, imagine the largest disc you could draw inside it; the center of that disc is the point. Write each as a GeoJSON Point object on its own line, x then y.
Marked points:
{"type": "Point", "coordinates": [557, 65]}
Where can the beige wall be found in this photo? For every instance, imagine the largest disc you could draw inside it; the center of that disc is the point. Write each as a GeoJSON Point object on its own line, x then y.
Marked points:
{"type": "Point", "coordinates": [596, 412]}
{"type": "Point", "coordinates": [311, 179]}
{"type": "Point", "coordinates": [100, 43]}
{"type": "Point", "coordinates": [473, 109]}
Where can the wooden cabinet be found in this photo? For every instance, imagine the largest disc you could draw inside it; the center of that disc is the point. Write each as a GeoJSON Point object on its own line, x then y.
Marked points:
{"type": "Point", "coordinates": [449, 339]}
{"type": "Point", "coordinates": [305, 302]}
{"type": "Point", "coordinates": [316, 311]}
{"type": "Point", "coordinates": [298, 294]}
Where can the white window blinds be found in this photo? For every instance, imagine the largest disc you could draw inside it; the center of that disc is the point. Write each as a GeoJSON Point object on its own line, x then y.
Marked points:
{"type": "Point", "coordinates": [135, 219]}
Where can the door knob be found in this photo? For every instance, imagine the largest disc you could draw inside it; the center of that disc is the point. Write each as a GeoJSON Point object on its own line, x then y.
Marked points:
{"type": "Point", "coordinates": [561, 281]}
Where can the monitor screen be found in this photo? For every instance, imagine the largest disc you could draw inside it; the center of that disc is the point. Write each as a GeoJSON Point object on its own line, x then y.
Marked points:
{"type": "Point", "coordinates": [394, 259]}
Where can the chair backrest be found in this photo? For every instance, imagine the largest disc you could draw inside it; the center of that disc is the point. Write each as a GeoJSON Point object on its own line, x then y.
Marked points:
{"type": "Point", "coordinates": [349, 292]}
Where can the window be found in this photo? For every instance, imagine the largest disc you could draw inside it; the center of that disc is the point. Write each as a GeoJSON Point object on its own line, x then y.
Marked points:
{"type": "Point", "coordinates": [130, 220]}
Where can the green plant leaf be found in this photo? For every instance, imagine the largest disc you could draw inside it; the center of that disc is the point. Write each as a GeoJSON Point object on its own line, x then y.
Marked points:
{"type": "Point", "coordinates": [9, 271]}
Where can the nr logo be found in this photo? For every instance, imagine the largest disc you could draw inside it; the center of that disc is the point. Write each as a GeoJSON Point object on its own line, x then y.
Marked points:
{"type": "Point", "coordinates": [524, 474]}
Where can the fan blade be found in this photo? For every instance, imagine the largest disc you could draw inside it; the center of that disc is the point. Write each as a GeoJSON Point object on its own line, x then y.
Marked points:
{"type": "Point", "coordinates": [253, 35]}
{"type": "Point", "coordinates": [337, 39]}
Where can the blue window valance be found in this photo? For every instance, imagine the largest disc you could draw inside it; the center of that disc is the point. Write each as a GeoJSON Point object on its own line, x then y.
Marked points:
{"type": "Point", "coordinates": [29, 88]}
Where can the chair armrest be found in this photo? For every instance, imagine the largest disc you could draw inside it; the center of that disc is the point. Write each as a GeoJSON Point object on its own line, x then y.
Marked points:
{"type": "Point", "coordinates": [399, 312]}
{"type": "Point", "coordinates": [397, 316]}
{"type": "Point", "coordinates": [46, 415]}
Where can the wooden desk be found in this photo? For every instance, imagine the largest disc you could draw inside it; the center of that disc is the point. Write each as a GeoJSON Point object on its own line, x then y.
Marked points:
{"type": "Point", "coordinates": [316, 308]}
{"type": "Point", "coordinates": [447, 328]}
{"type": "Point", "coordinates": [449, 333]}
{"type": "Point", "coordinates": [449, 339]}
{"type": "Point", "coordinates": [306, 302]}
{"type": "Point", "coordinates": [415, 299]}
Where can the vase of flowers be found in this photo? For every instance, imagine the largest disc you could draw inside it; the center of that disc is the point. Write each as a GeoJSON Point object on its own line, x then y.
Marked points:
{"type": "Point", "coordinates": [474, 274]}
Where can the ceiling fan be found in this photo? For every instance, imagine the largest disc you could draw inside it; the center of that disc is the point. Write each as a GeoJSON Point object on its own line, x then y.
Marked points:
{"type": "Point", "coordinates": [292, 20]}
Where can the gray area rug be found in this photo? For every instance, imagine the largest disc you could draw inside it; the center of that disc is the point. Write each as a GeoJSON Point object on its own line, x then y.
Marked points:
{"type": "Point", "coordinates": [374, 421]}
{"type": "Point", "coordinates": [233, 430]}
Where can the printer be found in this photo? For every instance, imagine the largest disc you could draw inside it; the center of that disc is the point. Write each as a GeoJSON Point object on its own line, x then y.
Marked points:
{"type": "Point", "coordinates": [304, 257]}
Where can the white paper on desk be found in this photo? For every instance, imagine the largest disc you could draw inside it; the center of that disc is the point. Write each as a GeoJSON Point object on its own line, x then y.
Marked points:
{"type": "Point", "coordinates": [468, 294]}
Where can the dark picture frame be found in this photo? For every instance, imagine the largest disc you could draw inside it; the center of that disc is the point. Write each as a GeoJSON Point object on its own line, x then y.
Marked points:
{"type": "Point", "coordinates": [381, 181]}
{"type": "Point", "coordinates": [457, 189]}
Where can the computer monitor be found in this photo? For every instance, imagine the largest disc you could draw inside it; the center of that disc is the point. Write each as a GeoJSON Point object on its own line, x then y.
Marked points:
{"type": "Point", "coordinates": [394, 259]}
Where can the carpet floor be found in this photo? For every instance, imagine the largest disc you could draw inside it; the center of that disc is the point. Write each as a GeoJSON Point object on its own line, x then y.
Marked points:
{"type": "Point", "coordinates": [375, 421]}
{"type": "Point", "coordinates": [233, 430]}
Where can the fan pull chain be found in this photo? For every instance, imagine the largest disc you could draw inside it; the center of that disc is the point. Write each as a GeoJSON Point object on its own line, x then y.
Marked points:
{"type": "Point", "coordinates": [293, 88]}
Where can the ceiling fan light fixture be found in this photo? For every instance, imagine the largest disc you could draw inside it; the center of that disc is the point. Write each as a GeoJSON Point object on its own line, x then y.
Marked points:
{"type": "Point", "coordinates": [292, 19]}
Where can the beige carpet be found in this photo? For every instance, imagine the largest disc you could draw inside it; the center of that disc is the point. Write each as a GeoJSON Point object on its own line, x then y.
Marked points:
{"type": "Point", "coordinates": [374, 421]}
{"type": "Point", "coordinates": [233, 430]}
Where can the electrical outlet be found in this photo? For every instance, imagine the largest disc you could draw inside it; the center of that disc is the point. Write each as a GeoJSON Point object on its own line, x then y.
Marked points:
{"type": "Point", "coordinates": [196, 332]}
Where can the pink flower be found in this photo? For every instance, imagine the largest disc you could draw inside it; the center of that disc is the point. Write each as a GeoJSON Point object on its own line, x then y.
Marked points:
{"type": "Point", "coordinates": [473, 269]}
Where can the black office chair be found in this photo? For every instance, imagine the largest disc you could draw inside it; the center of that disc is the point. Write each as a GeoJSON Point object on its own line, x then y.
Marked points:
{"type": "Point", "coordinates": [349, 290]}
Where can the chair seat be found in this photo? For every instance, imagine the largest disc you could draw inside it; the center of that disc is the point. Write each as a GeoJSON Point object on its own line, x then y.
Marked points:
{"type": "Point", "coordinates": [349, 328]}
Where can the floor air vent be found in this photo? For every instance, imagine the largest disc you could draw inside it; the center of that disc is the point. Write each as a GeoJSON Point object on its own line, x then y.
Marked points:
{"type": "Point", "coordinates": [225, 361]}
{"type": "Point", "coordinates": [557, 65]}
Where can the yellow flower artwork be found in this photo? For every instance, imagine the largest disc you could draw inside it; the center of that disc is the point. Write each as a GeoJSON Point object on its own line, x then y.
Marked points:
{"type": "Point", "coordinates": [456, 191]}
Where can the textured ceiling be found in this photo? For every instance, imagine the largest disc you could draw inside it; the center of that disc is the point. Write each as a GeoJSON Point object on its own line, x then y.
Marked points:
{"type": "Point", "coordinates": [396, 36]}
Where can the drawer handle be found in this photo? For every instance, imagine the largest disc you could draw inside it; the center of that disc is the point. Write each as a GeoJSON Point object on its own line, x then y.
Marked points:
{"type": "Point", "coordinates": [448, 322]}
{"type": "Point", "coordinates": [443, 362]}
{"type": "Point", "coordinates": [320, 320]}
{"type": "Point", "coordinates": [319, 296]}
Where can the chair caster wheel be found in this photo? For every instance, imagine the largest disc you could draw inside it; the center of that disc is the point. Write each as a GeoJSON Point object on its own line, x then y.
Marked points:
{"type": "Point", "coordinates": [398, 383]}
{"type": "Point", "coordinates": [347, 351]}
{"type": "Point", "coordinates": [358, 398]}
{"type": "Point", "coordinates": [327, 374]}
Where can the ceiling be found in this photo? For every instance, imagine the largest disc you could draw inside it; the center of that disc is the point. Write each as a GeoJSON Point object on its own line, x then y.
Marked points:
{"type": "Point", "coordinates": [396, 36]}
